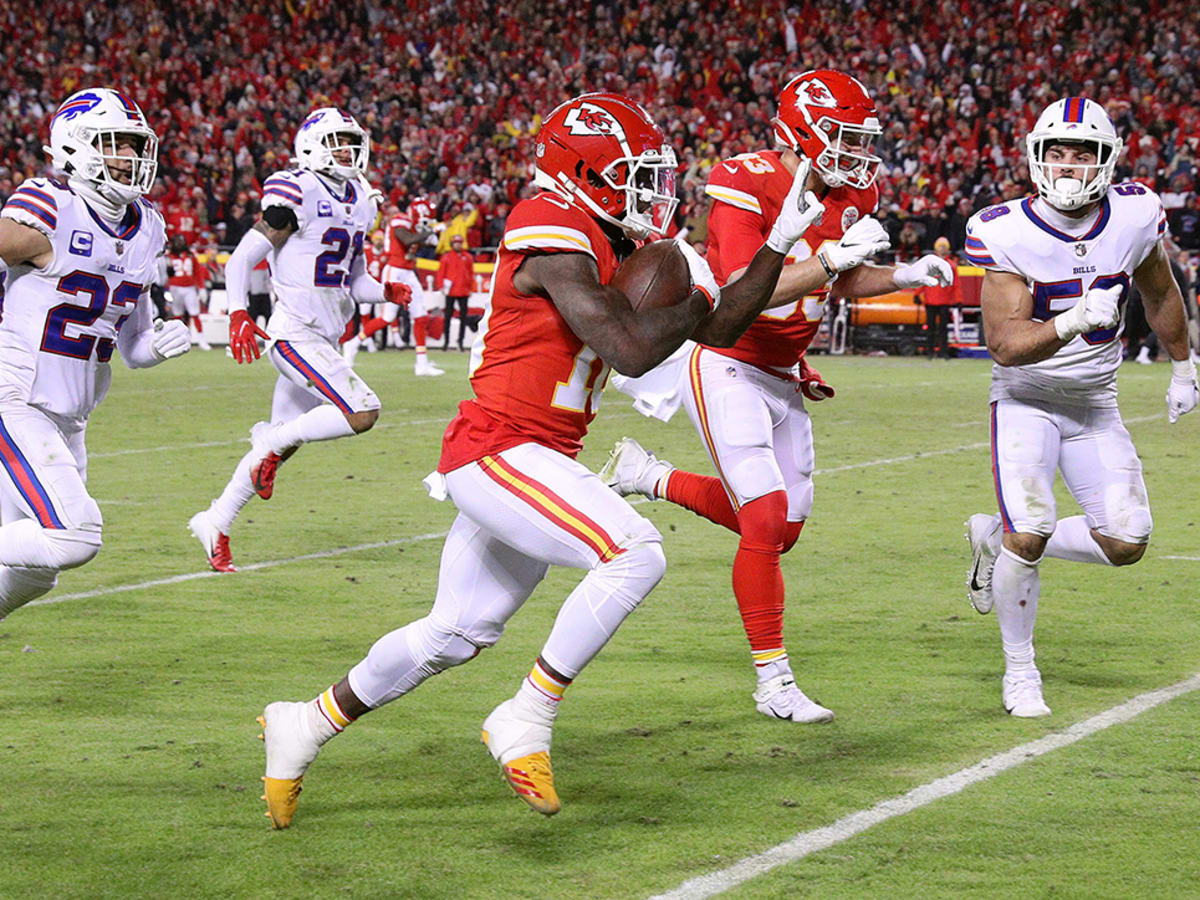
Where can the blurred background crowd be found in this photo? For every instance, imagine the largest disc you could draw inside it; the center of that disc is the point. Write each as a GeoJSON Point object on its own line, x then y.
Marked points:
{"type": "Point", "coordinates": [453, 92]}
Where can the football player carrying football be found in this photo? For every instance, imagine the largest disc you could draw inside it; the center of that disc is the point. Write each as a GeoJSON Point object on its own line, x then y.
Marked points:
{"type": "Point", "coordinates": [1058, 271]}
{"type": "Point", "coordinates": [551, 330]}
{"type": "Point", "coordinates": [77, 258]}
{"type": "Point", "coordinates": [312, 227]}
{"type": "Point", "coordinates": [747, 401]}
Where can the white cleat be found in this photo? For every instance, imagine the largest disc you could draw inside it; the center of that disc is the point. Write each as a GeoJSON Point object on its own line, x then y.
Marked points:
{"type": "Point", "coordinates": [350, 350]}
{"type": "Point", "coordinates": [291, 747]}
{"type": "Point", "coordinates": [779, 698]}
{"type": "Point", "coordinates": [632, 469]}
{"type": "Point", "coordinates": [522, 748]}
{"type": "Point", "coordinates": [427, 368]}
{"type": "Point", "coordinates": [1022, 696]}
{"type": "Point", "coordinates": [983, 533]}
{"type": "Point", "coordinates": [202, 343]}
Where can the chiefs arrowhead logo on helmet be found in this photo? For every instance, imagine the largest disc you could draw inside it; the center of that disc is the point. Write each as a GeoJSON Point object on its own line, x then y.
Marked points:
{"type": "Point", "coordinates": [591, 119]}
{"type": "Point", "coordinates": [817, 93]}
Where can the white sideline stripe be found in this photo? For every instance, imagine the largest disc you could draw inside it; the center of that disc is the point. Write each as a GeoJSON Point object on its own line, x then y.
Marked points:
{"type": "Point", "coordinates": [209, 573]}
{"type": "Point", "coordinates": [809, 842]}
{"type": "Point", "coordinates": [1186, 558]}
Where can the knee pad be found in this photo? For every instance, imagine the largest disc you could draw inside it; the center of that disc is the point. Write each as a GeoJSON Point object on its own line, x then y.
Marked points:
{"type": "Point", "coordinates": [73, 547]}
{"type": "Point", "coordinates": [441, 645]}
{"type": "Point", "coordinates": [1127, 509]}
{"type": "Point", "coordinates": [630, 576]}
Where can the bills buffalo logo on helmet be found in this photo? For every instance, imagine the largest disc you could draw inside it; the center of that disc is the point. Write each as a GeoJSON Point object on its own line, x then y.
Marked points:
{"type": "Point", "coordinates": [78, 104]}
{"type": "Point", "coordinates": [591, 119]}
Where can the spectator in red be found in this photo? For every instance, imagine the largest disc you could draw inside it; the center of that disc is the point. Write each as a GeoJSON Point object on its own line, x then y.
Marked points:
{"type": "Point", "coordinates": [456, 278]}
{"type": "Point", "coordinates": [940, 303]}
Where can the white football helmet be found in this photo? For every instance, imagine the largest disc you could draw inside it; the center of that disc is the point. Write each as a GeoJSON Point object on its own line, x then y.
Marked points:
{"type": "Point", "coordinates": [86, 134]}
{"type": "Point", "coordinates": [1074, 120]}
{"type": "Point", "coordinates": [328, 129]}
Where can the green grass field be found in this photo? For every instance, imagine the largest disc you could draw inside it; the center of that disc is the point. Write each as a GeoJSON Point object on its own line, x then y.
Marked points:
{"type": "Point", "coordinates": [129, 765]}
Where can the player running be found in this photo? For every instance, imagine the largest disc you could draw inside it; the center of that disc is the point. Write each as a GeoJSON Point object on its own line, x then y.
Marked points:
{"type": "Point", "coordinates": [77, 258]}
{"type": "Point", "coordinates": [747, 401]}
{"type": "Point", "coordinates": [313, 224]}
{"type": "Point", "coordinates": [552, 329]}
{"type": "Point", "coordinates": [1059, 267]}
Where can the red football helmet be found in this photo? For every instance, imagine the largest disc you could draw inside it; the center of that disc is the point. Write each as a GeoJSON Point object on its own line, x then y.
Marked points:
{"type": "Point", "coordinates": [830, 118]}
{"type": "Point", "coordinates": [604, 151]}
{"type": "Point", "coordinates": [421, 211]}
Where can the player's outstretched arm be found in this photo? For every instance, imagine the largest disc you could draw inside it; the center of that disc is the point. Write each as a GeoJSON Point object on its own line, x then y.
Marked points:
{"type": "Point", "coordinates": [601, 317]}
{"type": "Point", "coordinates": [743, 299]}
{"type": "Point", "coordinates": [1165, 313]}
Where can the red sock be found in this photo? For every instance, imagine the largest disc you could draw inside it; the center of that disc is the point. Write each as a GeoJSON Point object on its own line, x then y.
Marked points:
{"type": "Point", "coordinates": [199, 325]}
{"type": "Point", "coordinates": [418, 329]}
{"type": "Point", "coordinates": [757, 579]}
{"type": "Point", "coordinates": [704, 495]}
{"type": "Point", "coordinates": [372, 325]}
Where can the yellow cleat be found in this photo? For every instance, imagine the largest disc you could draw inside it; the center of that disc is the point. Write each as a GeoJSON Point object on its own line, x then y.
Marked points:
{"type": "Point", "coordinates": [533, 780]}
{"type": "Point", "coordinates": [282, 795]}
{"type": "Point", "coordinates": [290, 748]}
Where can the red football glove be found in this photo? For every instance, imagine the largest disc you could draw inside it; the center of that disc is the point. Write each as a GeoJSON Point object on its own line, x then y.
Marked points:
{"type": "Point", "coordinates": [243, 334]}
{"type": "Point", "coordinates": [395, 292]}
{"type": "Point", "coordinates": [812, 385]}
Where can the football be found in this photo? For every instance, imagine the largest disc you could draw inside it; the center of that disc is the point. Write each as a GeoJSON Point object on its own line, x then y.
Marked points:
{"type": "Point", "coordinates": [654, 276]}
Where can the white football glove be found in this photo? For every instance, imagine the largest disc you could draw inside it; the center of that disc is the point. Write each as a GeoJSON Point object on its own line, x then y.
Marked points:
{"type": "Point", "coordinates": [800, 209]}
{"type": "Point", "coordinates": [927, 271]}
{"type": "Point", "coordinates": [171, 339]}
{"type": "Point", "coordinates": [1099, 308]}
{"type": "Point", "coordinates": [702, 276]}
{"type": "Point", "coordinates": [863, 239]}
{"type": "Point", "coordinates": [1183, 392]}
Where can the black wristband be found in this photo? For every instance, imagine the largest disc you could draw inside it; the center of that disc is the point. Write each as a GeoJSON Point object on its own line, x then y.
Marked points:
{"type": "Point", "coordinates": [829, 270]}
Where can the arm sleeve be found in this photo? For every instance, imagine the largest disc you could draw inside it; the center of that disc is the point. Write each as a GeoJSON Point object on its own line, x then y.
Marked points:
{"type": "Point", "coordinates": [363, 287]}
{"type": "Point", "coordinates": [738, 235]}
{"type": "Point", "coordinates": [135, 340]}
{"type": "Point", "coordinates": [250, 251]}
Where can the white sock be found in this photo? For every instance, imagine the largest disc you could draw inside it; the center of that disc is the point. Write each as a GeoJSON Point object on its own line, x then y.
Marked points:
{"type": "Point", "coordinates": [237, 494]}
{"type": "Point", "coordinates": [533, 706]}
{"type": "Point", "coordinates": [324, 423]}
{"type": "Point", "coordinates": [773, 669]}
{"type": "Point", "coordinates": [1072, 539]}
{"type": "Point", "coordinates": [1016, 584]}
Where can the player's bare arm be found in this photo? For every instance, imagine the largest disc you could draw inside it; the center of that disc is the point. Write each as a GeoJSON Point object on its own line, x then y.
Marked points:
{"type": "Point", "coordinates": [742, 300]}
{"type": "Point", "coordinates": [1163, 302]}
{"type": "Point", "coordinates": [22, 244]}
{"type": "Point", "coordinates": [277, 224]}
{"type": "Point", "coordinates": [865, 280]}
{"type": "Point", "coordinates": [1013, 338]}
{"type": "Point", "coordinates": [601, 317]}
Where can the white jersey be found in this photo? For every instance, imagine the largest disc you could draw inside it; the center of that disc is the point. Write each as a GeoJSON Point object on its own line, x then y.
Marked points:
{"type": "Point", "coordinates": [1060, 262]}
{"type": "Point", "coordinates": [58, 325]}
{"type": "Point", "coordinates": [310, 273]}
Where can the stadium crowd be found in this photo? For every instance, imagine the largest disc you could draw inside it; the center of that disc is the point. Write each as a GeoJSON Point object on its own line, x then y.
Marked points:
{"type": "Point", "coordinates": [453, 92]}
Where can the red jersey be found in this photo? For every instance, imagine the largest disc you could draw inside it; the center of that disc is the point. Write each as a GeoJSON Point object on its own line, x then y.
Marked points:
{"type": "Point", "coordinates": [535, 380]}
{"type": "Point", "coordinates": [748, 191]}
{"type": "Point", "coordinates": [398, 256]}
{"type": "Point", "coordinates": [182, 220]}
{"type": "Point", "coordinates": [458, 268]}
{"type": "Point", "coordinates": [184, 270]}
{"type": "Point", "coordinates": [375, 261]}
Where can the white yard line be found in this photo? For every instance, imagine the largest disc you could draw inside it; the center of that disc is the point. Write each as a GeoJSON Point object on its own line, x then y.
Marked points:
{"type": "Point", "coordinates": [209, 573]}
{"type": "Point", "coordinates": [175, 447]}
{"type": "Point", "coordinates": [809, 842]}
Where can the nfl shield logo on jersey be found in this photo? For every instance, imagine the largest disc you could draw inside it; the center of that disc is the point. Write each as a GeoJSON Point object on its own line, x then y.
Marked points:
{"type": "Point", "coordinates": [119, 246]}
{"type": "Point", "coordinates": [1081, 249]}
